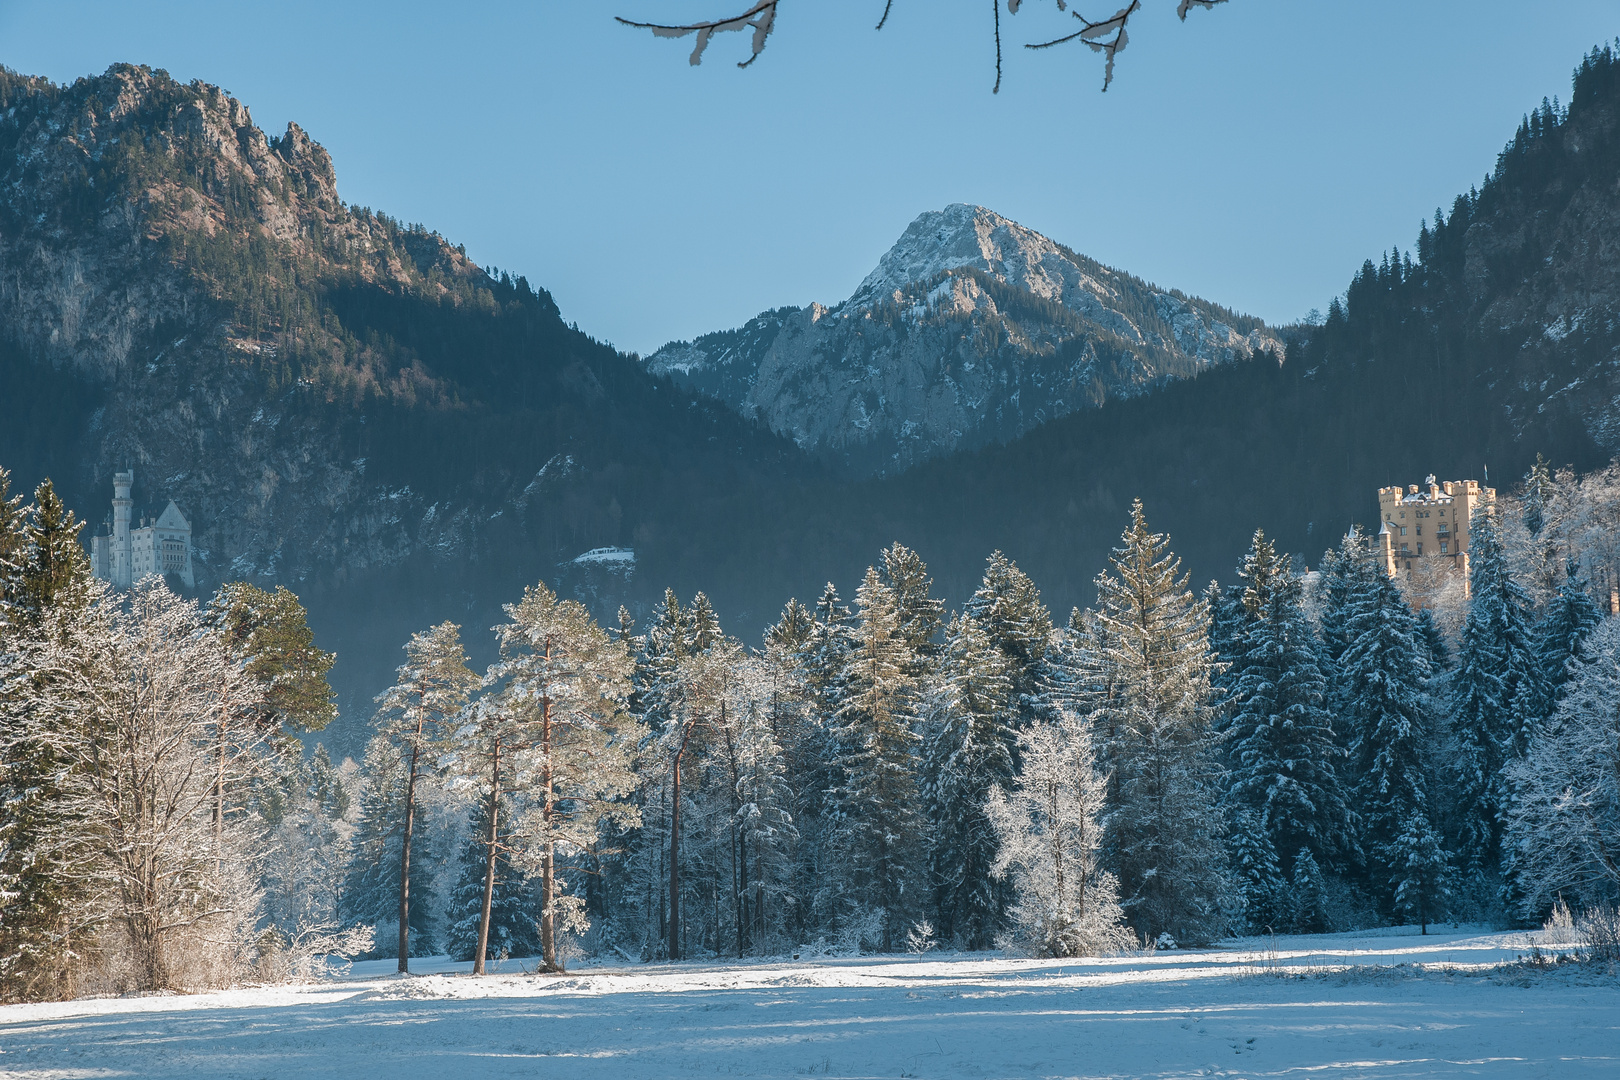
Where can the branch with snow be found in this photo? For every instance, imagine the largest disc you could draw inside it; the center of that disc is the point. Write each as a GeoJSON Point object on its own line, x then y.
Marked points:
{"type": "Point", "coordinates": [1107, 36]}
{"type": "Point", "coordinates": [761, 19]}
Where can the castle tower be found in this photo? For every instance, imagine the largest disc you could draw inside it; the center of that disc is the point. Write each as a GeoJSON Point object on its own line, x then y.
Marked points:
{"type": "Point", "coordinates": [122, 556]}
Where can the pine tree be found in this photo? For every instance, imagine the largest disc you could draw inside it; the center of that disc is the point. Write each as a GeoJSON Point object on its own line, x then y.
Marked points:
{"type": "Point", "coordinates": [55, 568]}
{"type": "Point", "coordinates": [1267, 899]}
{"type": "Point", "coordinates": [1153, 665]}
{"type": "Point", "coordinates": [1563, 828]}
{"type": "Point", "coordinates": [1420, 868]}
{"type": "Point", "coordinates": [874, 799]}
{"type": "Point", "coordinates": [922, 616]}
{"type": "Point", "coordinates": [419, 713]}
{"type": "Point", "coordinates": [371, 887]}
{"type": "Point", "coordinates": [1384, 670]}
{"type": "Point", "coordinates": [966, 755]}
{"type": "Point", "coordinates": [1309, 895]}
{"type": "Point", "coordinates": [567, 681]}
{"type": "Point", "coordinates": [13, 551]}
{"type": "Point", "coordinates": [1049, 845]}
{"type": "Point", "coordinates": [512, 930]}
{"type": "Point", "coordinates": [1497, 695]}
{"type": "Point", "coordinates": [1279, 740]}
{"type": "Point", "coordinates": [1008, 606]}
{"type": "Point", "coordinates": [269, 634]}
{"type": "Point", "coordinates": [1570, 618]}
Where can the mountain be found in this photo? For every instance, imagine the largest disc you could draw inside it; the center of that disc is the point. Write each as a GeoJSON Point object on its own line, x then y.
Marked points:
{"type": "Point", "coordinates": [339, 402]}
{"type": "Point", "coordinates": [972, 329]}
{"type": "Point", "coordinates": [349, 406]}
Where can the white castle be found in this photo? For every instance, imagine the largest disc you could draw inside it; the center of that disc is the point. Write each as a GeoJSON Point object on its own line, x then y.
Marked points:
{"type": "Point", "coordinates": [161, 546]}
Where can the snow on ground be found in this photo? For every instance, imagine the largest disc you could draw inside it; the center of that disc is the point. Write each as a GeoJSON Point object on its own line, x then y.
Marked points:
{"type": "Point", "coordinates": [1325, 1006]}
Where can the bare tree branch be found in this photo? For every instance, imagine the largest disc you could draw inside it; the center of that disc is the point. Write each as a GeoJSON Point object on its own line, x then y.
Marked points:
{"type": "Point", "coordinates": [1107, 36]}
{"type": "Point", "coordinates": [761, 18]}
{"type": "Point", "coordinates": [1096, 35]}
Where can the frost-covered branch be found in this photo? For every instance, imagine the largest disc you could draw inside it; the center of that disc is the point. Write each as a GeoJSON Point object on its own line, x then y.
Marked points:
{"type": "Point", "coordinates": [761, 19]}
{"type": "Point", "coordinates": [1107, 36]}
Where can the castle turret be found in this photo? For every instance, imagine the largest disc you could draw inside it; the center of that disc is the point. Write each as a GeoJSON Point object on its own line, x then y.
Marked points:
{"type": "Point", "coordinates": [122, 507]}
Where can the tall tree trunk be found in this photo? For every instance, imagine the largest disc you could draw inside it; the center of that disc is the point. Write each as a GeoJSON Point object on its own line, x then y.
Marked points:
{"type": "Point", "coordinates": [489, 858]}
{"type": "Point", "coordinates": [548, 870]}
{"type": "Point", "coordinates": [675, 856]}
{"type": "Point", "coordinates": [405, 857]}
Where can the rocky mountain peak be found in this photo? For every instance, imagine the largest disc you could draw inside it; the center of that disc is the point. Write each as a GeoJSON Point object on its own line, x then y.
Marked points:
{"type": "Point", "coordinates": [966, 236]}
{"type": "Point", "coordinates": [971, 329]}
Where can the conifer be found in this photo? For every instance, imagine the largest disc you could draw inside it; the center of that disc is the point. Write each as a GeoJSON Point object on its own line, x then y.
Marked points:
{"type": "Point", "coordinates": [1008, 606]}
{"type": "Point", "coordinates": [874, 800]}
{"type": "Point", "coordinates": [1570, 618]}
{"type": "Point", "coordinates": [1279, 740]}
{"type": "Point", "coordinates": [1154, 666]}
{"type": "Point", "coordinates": [511, 929]}
{"type": "Point", "coordinates": [967, 753]}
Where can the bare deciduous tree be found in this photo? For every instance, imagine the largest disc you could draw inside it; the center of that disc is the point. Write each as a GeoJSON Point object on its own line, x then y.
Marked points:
{"type": "Point", "coordinates": [1106, 36]}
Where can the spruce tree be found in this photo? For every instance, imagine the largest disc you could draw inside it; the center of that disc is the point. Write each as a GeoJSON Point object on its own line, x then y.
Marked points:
{"type": "Point", "coordinates": [1267, 898]}
{"type": "Point", "coordinates": [419, 713]}
{"type": "Point", "coordinates": [1153, 665]}
{"type": "Point", "coordinates": [1280, 745]}
{"type": "Point", "coordinates": [1309, 895]}
{"type": "Point", "coordinates": [1384, 670]}
{"type": "Point", "coordinates": [968, 754]}
{"type": "Point", "coordinates": [1008, 606]}
{"type": "Point", "coordinates": [13, 551]}
{"type": "Point", "coordinates": [513, 930]}
{"type": "Point", "coordinates": [922, 615]}
{"type": "Point", "coordinates": [55, 568]}
{"type": "Point", "coordinates": [371, 886]}
{"type": "Point", "coordinates": [877, 824]}
{"type": "Point", "coordinates": [1497, 695]}
{"type": "Point", "coordinates": [1570, 618]}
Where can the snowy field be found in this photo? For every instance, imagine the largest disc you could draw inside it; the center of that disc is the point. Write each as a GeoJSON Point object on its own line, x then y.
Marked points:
{"type": "Point", "coordinates": [1328, 1006]}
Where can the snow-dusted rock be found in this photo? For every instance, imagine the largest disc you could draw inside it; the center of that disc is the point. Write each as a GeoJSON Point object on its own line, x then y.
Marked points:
{"type": "Point", "coordinates": [970, 329]}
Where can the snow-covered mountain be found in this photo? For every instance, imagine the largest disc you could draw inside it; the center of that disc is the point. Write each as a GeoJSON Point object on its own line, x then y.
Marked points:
{"type": "Point", "coordinates": [971, 329]}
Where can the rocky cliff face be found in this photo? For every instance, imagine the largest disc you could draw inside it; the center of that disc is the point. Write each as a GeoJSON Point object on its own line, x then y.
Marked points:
{"type": "Point", "coordinates": [971, 329]}
{"type": "Point", "coordinates": [159, 245]}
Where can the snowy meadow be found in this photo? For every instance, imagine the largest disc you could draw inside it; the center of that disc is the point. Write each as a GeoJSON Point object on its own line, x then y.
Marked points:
{"type": "Point", "coordinates": [1458, 1002]}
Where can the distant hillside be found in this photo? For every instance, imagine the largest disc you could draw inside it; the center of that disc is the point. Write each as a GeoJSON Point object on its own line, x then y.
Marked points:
{"type": "Point", "coordinates": [349, 406]}
{"type": "Point", "coordinates": [972, 329]}
{"type": "Point", "coordinates": [338, 401]}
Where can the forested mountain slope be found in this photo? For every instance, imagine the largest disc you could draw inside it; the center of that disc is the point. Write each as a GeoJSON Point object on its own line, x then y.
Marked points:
{"type": "Point", "coordinates": [335, 399]}
{"type": "Point", "coordinates": [972, 329]}
{"type": "Point", "coordinates": [352, 408]}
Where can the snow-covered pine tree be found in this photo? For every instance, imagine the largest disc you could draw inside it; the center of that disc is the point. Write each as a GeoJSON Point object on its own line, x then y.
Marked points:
{"type": "Point", "coordinates": [1563, 825]}
{"type": "Point", "coordinates": [1421, 868]}
{"type": "Point", "coordinates": [1309, 895]}
{"type": "Point", "coordinates": [419, 712]}
{"type": "Point", "coordinates": [370, 894]}
{"type": "Point", "coordinates": [1433, 640]}
{"type": "Point", "coordinates": [972, 722]}
{"type": "Point", "coordinates": [1384, 671]}
{"type": "Point", "coordinates": [1571, 616]}
{"type": "Point", "coordinates": [55, 569]}
{"type": "Point", "coordinates": [922, 615]}
{"type": "Point", "coordinates": [1162, 826]}
{"type": "Point", "coordinates": [51, 896]}
{"type": "Point", "coordinates": [304, 848]}
{"type": "Point", "coordinates": [567, 681]}
{"type": "Point", "coordinates": [511, 929]}
{"type": "Point", "coordinates": [1049, 845]}
{"type": "Point", "coordinates": [1282, 753]}
{"type": "Point", "coordinates": [1268, 903]}
{"type": "Point", "coordinates": [875, 808]}
{"type": "Point", "coordinates": [13, 549]}
{"type": "Point", "coordinates": [1008, 606]}
{"type": "Point", "coordinates": [1497, 695]}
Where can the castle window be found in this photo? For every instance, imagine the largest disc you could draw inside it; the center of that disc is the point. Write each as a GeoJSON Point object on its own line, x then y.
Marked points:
{"type": "Point", "coordinates": [1443, 547]}
{"type": "Point", "coordinates": [1420, 547]}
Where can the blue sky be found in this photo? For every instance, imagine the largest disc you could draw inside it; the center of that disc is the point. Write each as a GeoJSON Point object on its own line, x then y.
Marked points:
{"type": "Point", "coordinates": [1253, 155]}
